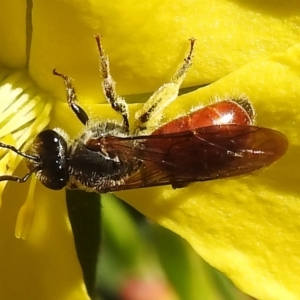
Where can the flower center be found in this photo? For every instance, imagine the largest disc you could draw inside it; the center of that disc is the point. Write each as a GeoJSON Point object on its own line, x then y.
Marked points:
{"type": "Point", "coordinates": [24, 112]}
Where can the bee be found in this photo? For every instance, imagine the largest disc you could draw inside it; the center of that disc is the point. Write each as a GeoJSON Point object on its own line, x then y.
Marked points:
{"type": "Point", "coordinates": [214, 142]}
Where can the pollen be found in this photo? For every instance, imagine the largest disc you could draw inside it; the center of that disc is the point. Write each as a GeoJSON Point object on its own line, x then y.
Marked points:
{"type": "Point", "coordinates": [24, 111]}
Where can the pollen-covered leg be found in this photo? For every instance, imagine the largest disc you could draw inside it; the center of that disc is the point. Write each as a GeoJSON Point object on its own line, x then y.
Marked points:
{"type": "Point", "coordinates": [117, 103]}
{"type": "Point", "coordinates": [150, 114]}
{"type": "Point", "coordinates": [72, 98]}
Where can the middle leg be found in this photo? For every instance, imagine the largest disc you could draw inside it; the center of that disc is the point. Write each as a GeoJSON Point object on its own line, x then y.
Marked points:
{"type": "Point", "coordinates": [117, 103]}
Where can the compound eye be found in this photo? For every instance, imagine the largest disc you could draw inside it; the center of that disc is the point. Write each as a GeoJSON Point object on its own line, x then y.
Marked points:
{"type": "Point", "coordinates": [51, 148]}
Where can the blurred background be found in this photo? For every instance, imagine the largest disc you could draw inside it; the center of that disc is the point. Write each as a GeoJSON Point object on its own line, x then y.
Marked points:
{"type": "Point", "coordinates": [124, 256]}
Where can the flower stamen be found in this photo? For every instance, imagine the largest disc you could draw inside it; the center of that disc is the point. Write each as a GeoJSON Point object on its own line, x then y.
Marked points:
{"type": "Point", "coordinates": [24, 112]}
{"type": "Point", "coordinates": [26, 213]}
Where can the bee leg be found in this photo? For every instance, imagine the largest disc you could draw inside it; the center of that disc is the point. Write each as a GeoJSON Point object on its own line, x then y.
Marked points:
{"type": "Point", "coordinates": [24, 154]}
{"type": "Point", "coordinates": [17, 151]}
{"type": "Point", "coordinates": [72, 98]}
{"type": "Point", "coordinates": [117, 103]}
{"type": "Point", "coordinates": [151, 113]}
{"type": "Point", "coordinates": [16, 178]}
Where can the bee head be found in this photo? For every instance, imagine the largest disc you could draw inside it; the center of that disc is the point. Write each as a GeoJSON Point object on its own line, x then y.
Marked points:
{"type": "Point", "coordinates": [50, 164]}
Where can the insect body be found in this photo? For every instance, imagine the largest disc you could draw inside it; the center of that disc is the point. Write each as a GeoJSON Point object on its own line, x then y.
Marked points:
{"type": "Point", "coordinates": [213, 142]}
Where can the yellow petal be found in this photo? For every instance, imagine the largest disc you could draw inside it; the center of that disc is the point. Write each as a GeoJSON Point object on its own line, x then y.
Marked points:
{"type": "Point", "coordinates": [40, 258]}
{"type": "Point", "coordinates": [13, 34]}
{"type": "Point", "coordinates": [146, 43]}
{"type": "Point", "coordinates": [247, 227]}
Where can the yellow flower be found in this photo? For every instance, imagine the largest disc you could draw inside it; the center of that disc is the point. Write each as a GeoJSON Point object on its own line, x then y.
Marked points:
{"type": "Point", "coordinates": [247, 227]}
